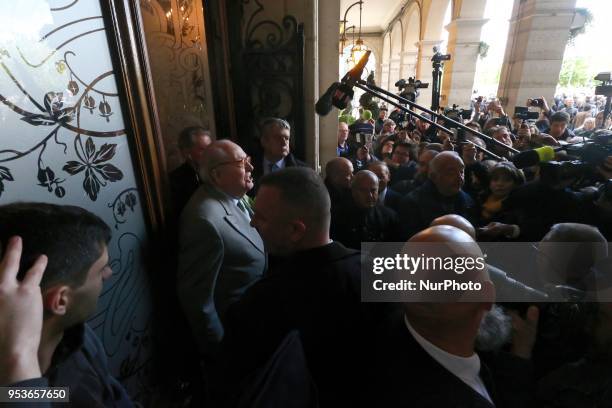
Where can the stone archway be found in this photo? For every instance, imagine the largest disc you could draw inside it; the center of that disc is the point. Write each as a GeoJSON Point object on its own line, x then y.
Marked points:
{"type": "Point", "coordinates": [386, 57]}
{"type": "Point", "coordinates": [397, 43]}
{"type": "Point", "coordinates": [412, 30]}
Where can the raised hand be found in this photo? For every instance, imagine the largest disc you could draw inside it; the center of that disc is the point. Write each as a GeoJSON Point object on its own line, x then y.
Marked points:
{"type": "Point", "coordinates": [21, 316]}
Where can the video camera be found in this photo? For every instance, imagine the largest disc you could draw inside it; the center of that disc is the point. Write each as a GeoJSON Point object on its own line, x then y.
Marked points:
{"type": "Point", "coordinates": [589, 155]}
{"type": "Point", "coordinates": [523, 113]}
{"type": "Point", "coordinates": [410, 90]}
{"type": "Point", "coordinates": [438, 57]}
{"type": "Point", "coordinates": [536, 102]}
{"type": "Point", "coordinates": [457, 113]}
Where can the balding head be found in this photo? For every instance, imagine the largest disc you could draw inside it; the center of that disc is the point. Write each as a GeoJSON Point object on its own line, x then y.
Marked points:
{"type": "Point", "coordinates": [446, 172]}
{"type": "Point", "coordinates": [568, 252]}
{"type": "Point", "coordinates": [425, 158]}
{"type": "Point", "coordinates": [456, 221]}
{"type": "Point", "coordinates": [364, 189]}
{"type": "Point", "coordinates": [451, 316]}
{"type": "Point", "coordinates": [339, 173]}
{"type": "Point", "coordinates": [227, 167]}
{"type": "Point", "coordinates": [381, 170]}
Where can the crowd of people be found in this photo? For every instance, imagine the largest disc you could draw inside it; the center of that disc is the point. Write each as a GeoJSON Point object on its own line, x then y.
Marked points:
{"type": "Point", "coordinates": [268, 272]}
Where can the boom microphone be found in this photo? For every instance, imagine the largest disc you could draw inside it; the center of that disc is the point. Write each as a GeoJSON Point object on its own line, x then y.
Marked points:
{"type": "Point", "coordinates": [324, 105]}
{"type": "Point", "coordinates": [533, 157]}
{"type": "Point", "coordinates": [340, 94]}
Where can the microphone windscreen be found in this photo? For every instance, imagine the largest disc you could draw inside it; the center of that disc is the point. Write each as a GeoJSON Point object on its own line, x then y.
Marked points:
{"type": "Point", "coordinates": [524, 159]}
{"type": "Point", "coordinates": [533, 157]}
{"type": "Point", "coordinates": [545, 153]}
{"type": "Point", "coordinates": [324, 104]}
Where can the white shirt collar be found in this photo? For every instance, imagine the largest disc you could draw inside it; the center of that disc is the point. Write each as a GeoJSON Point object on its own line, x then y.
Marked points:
{"type": "Point", "coordinates": [467, 369]}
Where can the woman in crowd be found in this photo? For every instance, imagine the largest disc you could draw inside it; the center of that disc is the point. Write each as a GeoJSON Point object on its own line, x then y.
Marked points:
{"type": "Point", "coordinates": [496, 221]}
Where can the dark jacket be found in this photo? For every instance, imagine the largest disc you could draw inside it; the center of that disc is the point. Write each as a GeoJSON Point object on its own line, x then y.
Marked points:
{"type": "Point", "coordinates": [403, 374]}
{"type": "Point", "coordinates": [317, 293]}
{"type": "Point", "coordinates": [537, 207]}
{"type": "Point", "coordinates": [354, 225]}
{"type": "Point", "coordinates": [420, 207]}
{"type": "Point", "coordinates": [392, 199]}
{"type": "Point", "coordinates": [80, 362]}
{"type": "Point", "coordinates": [258, 172]}
{"type": "Point", "coordinates": [402, 173]}
{"type": "Point", "coordinates": [184, 181]}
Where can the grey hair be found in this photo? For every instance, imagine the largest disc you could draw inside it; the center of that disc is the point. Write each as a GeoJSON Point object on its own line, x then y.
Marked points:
{"type": "Point", "coordinates": [267, 124]}
{"type": "Point", "coordinates": [495, 330]}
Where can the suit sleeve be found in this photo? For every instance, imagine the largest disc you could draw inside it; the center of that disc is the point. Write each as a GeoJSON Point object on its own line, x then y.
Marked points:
{"type": "Point", "coordinates": [409, 218]}
{"type": "Point", "coordinates": [200, 260]}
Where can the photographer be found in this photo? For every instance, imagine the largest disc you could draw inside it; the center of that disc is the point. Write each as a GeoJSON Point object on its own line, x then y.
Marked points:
{"type": "Point", "coordinates": [382, 116]}
{"type": "Point", "coordinates": [493, 116]}
{"type": "Point", "coordinates": [559, 126]}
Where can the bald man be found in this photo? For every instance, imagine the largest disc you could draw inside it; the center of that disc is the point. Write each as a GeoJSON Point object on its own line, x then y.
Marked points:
{"type": "Point", "coordinates": [441, 194]}
{"type": "Point", "coordinates": [338, 176]}
{"type": "Point", "coordinates": [386, 195]}
{"type": "Point", "coordinates": [426, 355]}
{"type": "Point", "coordinates": [456, 221]}
{"type": "Point", "coordinates": [220, 254]}
{"type": "Point", "coordinates": [364, 219]}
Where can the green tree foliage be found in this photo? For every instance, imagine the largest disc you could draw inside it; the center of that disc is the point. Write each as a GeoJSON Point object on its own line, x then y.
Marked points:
{"type": "Point", "coordinates": [575, 73]}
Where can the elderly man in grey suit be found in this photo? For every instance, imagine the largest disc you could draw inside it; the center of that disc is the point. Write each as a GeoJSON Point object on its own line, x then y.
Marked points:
{"type": "Point", "coordinates": [220, 254]}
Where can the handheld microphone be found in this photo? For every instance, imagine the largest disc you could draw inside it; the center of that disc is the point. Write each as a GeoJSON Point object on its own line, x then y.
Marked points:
{"type": "Point", "coordinates": [533, 157]}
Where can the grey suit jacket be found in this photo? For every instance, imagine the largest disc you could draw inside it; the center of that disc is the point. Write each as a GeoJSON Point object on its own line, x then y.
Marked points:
{"type": "Point", "coordinates": [220, 256]}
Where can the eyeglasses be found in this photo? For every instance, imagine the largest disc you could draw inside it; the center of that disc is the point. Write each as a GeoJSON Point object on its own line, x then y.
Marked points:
{"type": "Point", "coordinates": [240, 162]}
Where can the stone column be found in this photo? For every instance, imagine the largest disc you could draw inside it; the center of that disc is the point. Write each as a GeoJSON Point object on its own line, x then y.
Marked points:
{"type": "Point", "coordinates": [394, 72]}
{"type": "Point", "coordinates": [384, 75]}
{"type": "Point", "coordinates": [328, 17]}
{"type": "Point", "coordinates": [424, 69]}
{"type": "Point", "coordinates": [459, 72]}
{"type": "Point", "coordinates": [537, 38]}
{"type": "Point", "coordinates": [408, 67]}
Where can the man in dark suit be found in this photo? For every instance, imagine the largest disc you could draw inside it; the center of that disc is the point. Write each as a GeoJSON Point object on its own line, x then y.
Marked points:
{"type": "Point", "coordinates": [386, 195]}
{"type": "Point", "coordinates": [184, 180]}
{"type": "Point", "coordinates": [276, 152]}
{"type": "Point", "coordinates": [440, 195]}
{"type": "Point", "coordinates": [314, 289]}
{"type": "Point", "coordinates": [364, 219]}
{"type": "Point", "coordinates": [220, 254]}
{"type": "Point", "coordinates": [425, 355]}
{"type": "Point", "coordinates": [338, 176]}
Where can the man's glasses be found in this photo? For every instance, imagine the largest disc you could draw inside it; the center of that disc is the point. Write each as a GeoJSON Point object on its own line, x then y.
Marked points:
{"type": "Point", "coordinates": [240, 162]}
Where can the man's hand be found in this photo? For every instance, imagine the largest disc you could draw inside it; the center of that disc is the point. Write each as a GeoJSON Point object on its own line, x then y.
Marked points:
{"type": "Point", "coordinates": [524, 332]}
{"type": "Point", "coordinates": [21, 316]}
{"type": "Point", "coordinates": [545, 108]}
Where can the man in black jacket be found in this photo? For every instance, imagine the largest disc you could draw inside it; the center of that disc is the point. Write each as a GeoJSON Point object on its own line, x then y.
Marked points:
{"type": "Point", "coordinates": [184, 180]}
{"type": "Point", "coordinates": [425, 354]}
{"type": "Point", "coordinates": [440, 195]}
{"type": "Point", "coordinates": [276, 152]}
{"type": "Point", "coordinates": [364, 219]}
{"type": "Point", "coordinates": [314, 288]}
